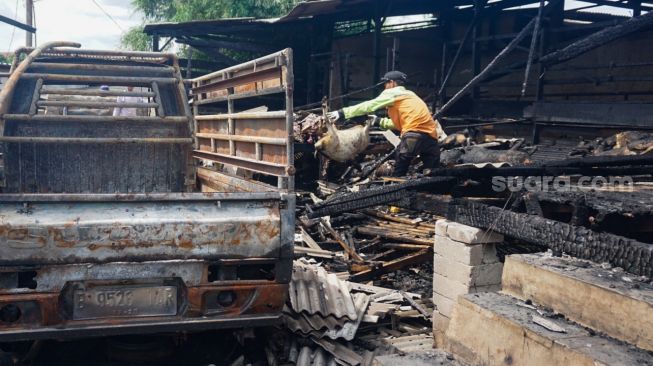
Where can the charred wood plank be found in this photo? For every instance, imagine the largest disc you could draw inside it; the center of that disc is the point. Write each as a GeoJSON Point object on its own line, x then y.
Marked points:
{"type": "Point", "coordinates": [378, 196]}
{"type": "Point", "coordinates": [352, 253]}
{"type": "Point", "coordinates": [598, 39]}
{"type": "Point", "coordinates": [532, 205]}
{"type": "Point", "coordinates": [371, 231]}
{"type": "Point", "coordinates": [393, 265]}
{"type": "Point", "coordinates": [417, 306]}
{"type": "Point", "coordinates": [633, 256]}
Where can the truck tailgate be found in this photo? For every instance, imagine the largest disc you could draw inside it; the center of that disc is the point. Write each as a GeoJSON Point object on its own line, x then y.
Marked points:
{"type": "Point", "coordinates": [231, 226]}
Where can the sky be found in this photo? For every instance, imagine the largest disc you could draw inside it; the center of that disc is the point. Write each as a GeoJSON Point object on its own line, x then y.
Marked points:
{"type": "Point", "coordinates": [70, 20]}
{"type": "Point", "coordinates": [83, 21]}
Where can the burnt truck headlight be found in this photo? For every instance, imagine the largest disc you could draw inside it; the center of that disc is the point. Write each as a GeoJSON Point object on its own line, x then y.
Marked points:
{"type": "Point", "coordinates": [226, 298]}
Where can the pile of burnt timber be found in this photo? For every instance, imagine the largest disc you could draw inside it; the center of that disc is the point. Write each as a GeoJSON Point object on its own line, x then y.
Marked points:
{"type": "Point", "coordinates": [603, 225]}
{"type": "Point", "coordinates": [362, 285]}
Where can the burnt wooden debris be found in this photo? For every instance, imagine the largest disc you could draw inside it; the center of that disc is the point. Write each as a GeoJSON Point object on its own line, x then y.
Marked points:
{"type": "Point", "coordinates": [601, 225]}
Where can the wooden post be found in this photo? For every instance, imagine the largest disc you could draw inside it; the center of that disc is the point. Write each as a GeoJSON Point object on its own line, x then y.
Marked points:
{"type": "Point", "coordinates": [377, 49]}
{"type": "Point", "coordinates": [155, 43]}
{"type": "Point", "coordinates": [476, 52]}
{"type": "Point", "coordinates": [486, 71]}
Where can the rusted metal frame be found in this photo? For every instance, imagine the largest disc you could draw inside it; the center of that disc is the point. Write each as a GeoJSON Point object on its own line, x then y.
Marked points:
{"type": "Point", "coordinates": [157, 98]}
{"type": "Point", "coordinates": [83, 79]}
{"type": "Point", "coordinates": [92, 104]}
{"type": "Point", "coordinates": [196, 145]}
{"type": "Point", "coordinates": [135, 56]}
{"type": "Point", "coordinates": [17, 72]}
{"type": "Point", "coordinates": [231, 127]}
{"type": "Point", "coordinates": [220, 180]}
{"type": "Point", "coordinates": [141, 197]}
{"type": "Point", "coordinates": [96, 93]}
{"type": "Point", "coordinates": [91, 140]}
{"type": "Point", "coordinates": [33, 108]}
{"type": "Point", "coordinates": [242, 115]}
{"type": "Point", "coordinates": [253, 165]}
{"type": "Point", "coordinates": [112, 53]}
{"type": "Point", "coordinates": [240, 67]}
{"type": "Point", "coordinates": [182, 104]}
{"type": "Point", "coordinates": [240, 138]}
{"type": "Point", "coordinates": [230, 82]}
{"type": "Point", "coordinates": [237, 96]}
{"type": "Point", "coordinates": [93, 119]}
{"type": "Point", "coordinates": [99, 67]}
{"type": "Point", "coordinates": [289, 83]}
{"type": "Point", "coordinates": [140, 328]}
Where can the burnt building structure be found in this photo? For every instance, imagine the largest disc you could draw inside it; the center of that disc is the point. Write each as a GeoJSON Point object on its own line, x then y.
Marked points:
{"type": "Point", "coordinates": [533, 64]}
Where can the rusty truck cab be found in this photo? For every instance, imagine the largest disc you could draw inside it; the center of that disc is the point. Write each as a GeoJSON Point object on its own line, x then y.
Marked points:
{"type": "Point", "coordinates": [131, 223]}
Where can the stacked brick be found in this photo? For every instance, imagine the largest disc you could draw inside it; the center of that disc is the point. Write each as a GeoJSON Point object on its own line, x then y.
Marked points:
{"type": "Point", "coordinates": [465, 261]}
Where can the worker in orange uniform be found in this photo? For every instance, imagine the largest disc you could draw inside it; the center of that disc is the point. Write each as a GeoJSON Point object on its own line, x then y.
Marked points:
{"type": "Point", "coordinates": [409, 115]}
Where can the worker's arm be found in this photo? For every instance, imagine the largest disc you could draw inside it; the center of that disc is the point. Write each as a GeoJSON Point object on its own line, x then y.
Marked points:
{"type": "Point", "coordinates": [387, 124]}
{"type": "Point", "coordinates": [386, 98]}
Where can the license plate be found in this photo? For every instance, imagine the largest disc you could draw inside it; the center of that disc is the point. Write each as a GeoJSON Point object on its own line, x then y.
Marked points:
{"type": "Point", "coordinates": [124, 301]}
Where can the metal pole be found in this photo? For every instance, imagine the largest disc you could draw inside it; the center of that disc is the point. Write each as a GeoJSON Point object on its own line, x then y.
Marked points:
{"type": "Point", "coordinates": [29, 20]}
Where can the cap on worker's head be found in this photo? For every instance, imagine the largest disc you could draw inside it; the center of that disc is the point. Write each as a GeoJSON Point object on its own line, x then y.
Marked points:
{"type": "Point", "coordinates": [104, 87]}
{"type": "Point", "coordinates": [394, 75]}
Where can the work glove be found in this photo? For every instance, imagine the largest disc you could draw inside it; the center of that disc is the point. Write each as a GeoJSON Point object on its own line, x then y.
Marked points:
{"type": "Point", "coordinates": [334, 116]}
{"type": "Point", "coordinates": [374, 120]}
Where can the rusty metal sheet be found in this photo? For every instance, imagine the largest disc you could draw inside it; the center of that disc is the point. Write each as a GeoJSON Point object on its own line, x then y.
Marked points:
{"type": "Point", "coordinates": [54, 278]}
{"type": "Point", "coordinates": [260, 142]}
{"type": "Point", "coordinates": [51, 233]}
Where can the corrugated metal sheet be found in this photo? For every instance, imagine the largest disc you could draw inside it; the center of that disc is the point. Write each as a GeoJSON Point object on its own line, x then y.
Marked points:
{"type": "Point", "coordinates": [314, 357]}
{"type": "Point", "coordinates": [321, 304]}
{"type": "Point", "coordinates": [331, 327]}
{"type": "Point", "coordinates": [314, 291]}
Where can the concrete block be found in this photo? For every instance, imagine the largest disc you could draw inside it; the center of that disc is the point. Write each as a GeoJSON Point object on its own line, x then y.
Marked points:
{"type": "Point", "coordinates": [441, 227]}
{"type": "Point", "coordinates": [492, 329]}
{"type": "Point", "coordinates": [589, 295]}
{"type": "Point", "coordinates": [440, 321]}
{"type": "Point", "coordinates": [452, 289]}
{"type": "Point", "coordinates": [423, 358]}
{"type": "Point", "coordinates": [483, 274]}
{"type": "Point", "coordinates": [471, 255]}
{"type": "Point", "coordinates": [443, 304]}
{"type": "Point", "coordinates": [466, 234]}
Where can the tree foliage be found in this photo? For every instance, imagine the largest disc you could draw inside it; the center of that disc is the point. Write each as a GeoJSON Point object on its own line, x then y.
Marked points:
{"type": "Point", "coordinates": [188, 10]}
{"type": "Point", "coordinates": [135, 40]}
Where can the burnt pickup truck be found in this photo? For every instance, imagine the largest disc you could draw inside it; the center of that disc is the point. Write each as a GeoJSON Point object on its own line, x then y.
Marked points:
{"type": "Point", "coordinates": [157, 221]}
